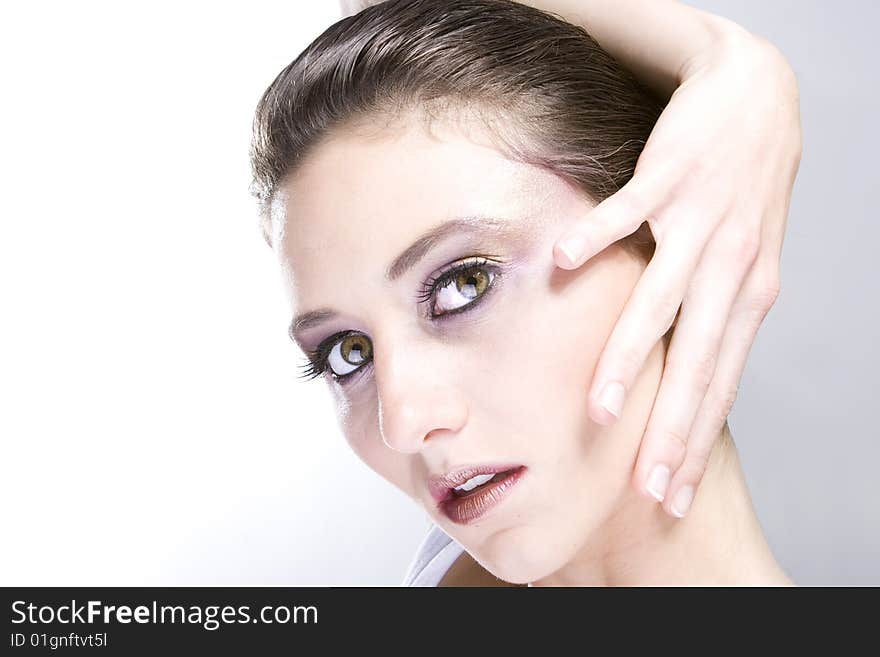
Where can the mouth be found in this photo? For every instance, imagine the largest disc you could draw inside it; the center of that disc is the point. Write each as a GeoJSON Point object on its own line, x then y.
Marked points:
{"type": "Point", "coordinates": [467, 494]}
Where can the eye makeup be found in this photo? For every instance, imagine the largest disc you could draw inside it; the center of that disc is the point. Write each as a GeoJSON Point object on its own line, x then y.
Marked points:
{"type": "Point", "coordinates": [489, 265]}
{"type": "Point", "coordinates": [318, 360]}
{"type": "Point", "coordinates": [479, 273]}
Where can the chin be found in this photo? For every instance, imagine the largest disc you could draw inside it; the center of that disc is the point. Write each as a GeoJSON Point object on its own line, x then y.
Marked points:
{"type": "Point", "coordinates": [520, 555]}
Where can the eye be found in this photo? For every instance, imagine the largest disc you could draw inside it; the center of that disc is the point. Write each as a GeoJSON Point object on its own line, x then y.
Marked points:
{"type": "Point", "coordinates": [458, 288]}
{"type": "Point", "coordinates": [348, 354]}
{"type": "Point", "coordinates": [342, 354]}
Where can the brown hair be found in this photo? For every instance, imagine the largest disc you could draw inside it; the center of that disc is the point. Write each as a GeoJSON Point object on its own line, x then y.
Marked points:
{"type": "Point", "coordinates": [542, 85]}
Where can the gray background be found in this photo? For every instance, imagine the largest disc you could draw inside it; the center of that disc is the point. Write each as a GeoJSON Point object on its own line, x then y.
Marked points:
{"type": "Point", "coordinates": [805, 419]}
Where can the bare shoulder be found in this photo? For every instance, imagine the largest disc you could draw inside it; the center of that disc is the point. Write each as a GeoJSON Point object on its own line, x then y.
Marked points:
{"type": "Point", "coordinates": [465, 571]}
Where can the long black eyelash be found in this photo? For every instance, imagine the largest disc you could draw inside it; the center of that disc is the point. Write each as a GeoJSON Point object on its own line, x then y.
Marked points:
{"type": "Point", "coordinates": [311, 369]}
{"type": "Point", "coordinates": [316, 361]}
{"type": "Point", "coordinates": [429, 287]}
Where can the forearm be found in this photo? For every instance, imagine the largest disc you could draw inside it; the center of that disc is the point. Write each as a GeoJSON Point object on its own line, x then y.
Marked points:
{"type": "Point", "coordinates": [655, 39]}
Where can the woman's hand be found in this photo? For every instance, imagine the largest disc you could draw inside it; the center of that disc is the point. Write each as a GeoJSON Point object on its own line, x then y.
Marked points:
{"type": "Point", "coordinates": [714, 183]}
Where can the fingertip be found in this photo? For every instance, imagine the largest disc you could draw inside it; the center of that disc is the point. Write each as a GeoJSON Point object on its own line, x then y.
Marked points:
{"type": "Point", "coordinates": [561, 259]}
{"type": "Point", "coordinates": [641, 486]}
{"type": "Point", "coordinates": [611, 398]}
{"type": "Point", "coordinates": [601, 415]}
{"type": "Point", "coordinates": [568, 251]}
{"type": "Point", "coordinates": [681, 501]}
{"type": "Point", "coordinates": [657, 484]}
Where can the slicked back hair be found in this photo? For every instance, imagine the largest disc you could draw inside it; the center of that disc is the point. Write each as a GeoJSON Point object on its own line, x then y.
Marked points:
{"type": "Point", "coordinates": [550, 93]}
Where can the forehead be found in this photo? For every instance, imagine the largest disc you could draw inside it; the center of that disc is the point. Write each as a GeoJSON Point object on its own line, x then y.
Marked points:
{"type": "Point", "coordinates": [366, 193]}
{"type": "Point", "coordinates": [368, 173]}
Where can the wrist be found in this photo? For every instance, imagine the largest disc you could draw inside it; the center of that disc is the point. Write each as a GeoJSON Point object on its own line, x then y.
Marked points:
{"type": "Point", "coordinates": [729, 44]}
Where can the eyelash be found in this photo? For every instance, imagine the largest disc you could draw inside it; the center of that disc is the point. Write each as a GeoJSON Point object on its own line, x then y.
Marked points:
{"type": "Point", "coordinates": [316, 361]}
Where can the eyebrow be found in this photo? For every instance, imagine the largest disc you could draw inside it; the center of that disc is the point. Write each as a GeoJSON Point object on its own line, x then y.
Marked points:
{"type": "Point", "coordinates": [410, 257]}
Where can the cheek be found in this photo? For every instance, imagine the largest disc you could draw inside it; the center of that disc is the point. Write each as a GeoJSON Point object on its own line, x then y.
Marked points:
{"type": "Point", "coordinates": [582, 322]}
{"type": "Point", "coordinates": [553, 334]}
{"type": "Point", "coordinates": [359, 423]}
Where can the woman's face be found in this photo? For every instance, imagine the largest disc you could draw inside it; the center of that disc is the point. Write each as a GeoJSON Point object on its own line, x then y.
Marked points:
{"type": "Point", "coordinates": [419, 267]}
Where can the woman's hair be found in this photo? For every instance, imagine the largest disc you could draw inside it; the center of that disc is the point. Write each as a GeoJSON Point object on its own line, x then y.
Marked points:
{"type": "Point", "coordinates": [541, 86]}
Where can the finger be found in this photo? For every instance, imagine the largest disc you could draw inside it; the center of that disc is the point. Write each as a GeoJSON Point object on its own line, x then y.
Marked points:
{"type": "Point", "coordinates": [648, 314]}
{"type": "Point", "coordinates": [692, 357]}
{"type": "Point", "coordinates": [617, 216]}
{"type": "Point", "coordinates": [755, 299]}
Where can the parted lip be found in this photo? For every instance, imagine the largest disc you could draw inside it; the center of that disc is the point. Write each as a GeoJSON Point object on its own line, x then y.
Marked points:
{"type": "Point", "coordinates": [441, 485]}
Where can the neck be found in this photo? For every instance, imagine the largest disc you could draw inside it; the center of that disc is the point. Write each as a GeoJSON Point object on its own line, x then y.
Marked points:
{"type": "Point", "coordinates": [719, 542]}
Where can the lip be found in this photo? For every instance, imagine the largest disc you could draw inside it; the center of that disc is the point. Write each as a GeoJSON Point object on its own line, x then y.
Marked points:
{"type": "Point", "coordinates": [441, 485]}
{"type": "Point", "coordinates": [465, 509]}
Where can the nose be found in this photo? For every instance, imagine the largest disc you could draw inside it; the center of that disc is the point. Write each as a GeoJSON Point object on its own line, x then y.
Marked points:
{"type": "Point", "coordinates": [417, 398]}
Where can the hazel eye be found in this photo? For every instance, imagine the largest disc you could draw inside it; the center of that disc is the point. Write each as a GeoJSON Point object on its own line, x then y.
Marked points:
{"type": "Point", "coordinates": [349, 354]}
{"type": "Point", "coordinates": [462, 289]}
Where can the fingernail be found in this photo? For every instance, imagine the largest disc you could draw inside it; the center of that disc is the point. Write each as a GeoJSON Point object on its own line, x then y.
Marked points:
{"type": "Point", "coordinates": [611, 398]}
{"type": "Point", "coordinates": [682, 501]}
{"type": "Point", "coordinates": [573, 247]}
{"type": "Point", "coordinates": [658, 482]}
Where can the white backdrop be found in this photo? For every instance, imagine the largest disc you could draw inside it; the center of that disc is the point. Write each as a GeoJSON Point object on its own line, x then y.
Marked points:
{"type": "Point", "coordinates": [153, 428]}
